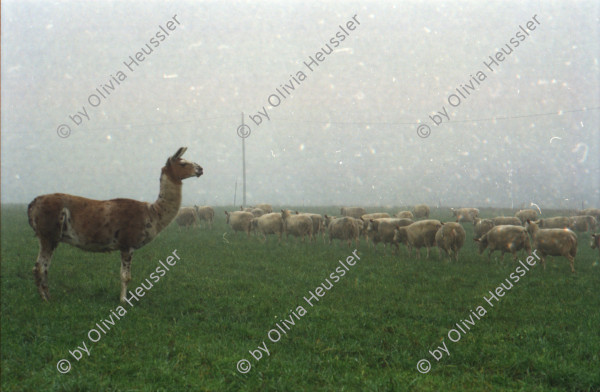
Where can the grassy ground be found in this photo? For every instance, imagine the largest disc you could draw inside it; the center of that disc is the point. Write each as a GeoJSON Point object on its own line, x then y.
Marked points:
{"type": "Point", "coordinates": [227, 292]}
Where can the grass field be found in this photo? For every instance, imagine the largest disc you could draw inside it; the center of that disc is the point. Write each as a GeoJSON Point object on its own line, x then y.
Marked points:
{"type": "Point", "coordinates": [227, 292]}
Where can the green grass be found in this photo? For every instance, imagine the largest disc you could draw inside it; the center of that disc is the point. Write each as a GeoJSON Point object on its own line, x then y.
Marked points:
{"type": "Point", "coordinates": [366, 334]}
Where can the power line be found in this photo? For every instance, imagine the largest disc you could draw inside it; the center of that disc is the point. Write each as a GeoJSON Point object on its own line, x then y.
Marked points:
{"type": "Point", "coordinates": [291, 120]}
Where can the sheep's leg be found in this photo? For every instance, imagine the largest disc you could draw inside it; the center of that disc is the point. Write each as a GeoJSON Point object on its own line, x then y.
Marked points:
{"type": "Point", "coordinates": [125, 272]}
{"type": "Point", "coordinates": [543, 260]}
{"type": "Point", "coordinates": [40, 271]}
{"type": "Point", "coordinates": [572, 263]}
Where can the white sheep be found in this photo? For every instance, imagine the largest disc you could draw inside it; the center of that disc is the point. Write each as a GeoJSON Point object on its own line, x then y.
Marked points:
{"type": "Point", "coordinates": [419, 234]}
{"type": "Point", "coordinates": [344, 229]}
{"type": "Point", "coordinates": [271, 223]}
{"type": "Point", "coordinates": [505, 238]}
{"type": "Point", "coordinates": [354, 212]}
{"type": "Point", "coordinates": [186, 217]}
{"type": "Point", "coordinates": [382, 230]}
{"type": "Point", "coordinates": [239, 221]}
{"type": "Point", "coordinates": [583, 223]}
{"type": "Point", "coordinates": [523, 215]}
{"type": "Point", "coordinates": [481, 226]}
{"type": "Point", "coordinates": [467, 214]}
{"type": "Point", "coordinates": [267, 208]}
{"type": "Point", "coordinates": [421, 211]}
{"type": "Point", "coordinates": [297, 225]}
{"type": "Point", "coordinates": [506, 220]}
{"type": "Point", "coordinates": [450, 238]}
{"type": "Point", "coordinates": [405, 215]}
{"type": "Point", "coordinates": [558, 222]}
{"type": "Point", "coordinates": [206, 213]}
{"type": "Point", "coordinates": [318, 223]}
{"type": "Point", "coordinates": [553, 242]}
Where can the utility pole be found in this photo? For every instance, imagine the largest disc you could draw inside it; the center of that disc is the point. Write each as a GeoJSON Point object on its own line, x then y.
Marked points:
{"type": "Point", "coordinates": [244, 161]}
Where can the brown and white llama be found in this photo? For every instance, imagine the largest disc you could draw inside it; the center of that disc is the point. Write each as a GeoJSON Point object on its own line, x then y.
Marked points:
{"type": "Point", "coordinates": [106, 225]}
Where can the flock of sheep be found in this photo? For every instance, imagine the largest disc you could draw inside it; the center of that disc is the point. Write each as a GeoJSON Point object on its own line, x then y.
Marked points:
{"type": "Point", "coordinates": [125, 225]}
{"type": "Point", "coordinates": [550, 236]}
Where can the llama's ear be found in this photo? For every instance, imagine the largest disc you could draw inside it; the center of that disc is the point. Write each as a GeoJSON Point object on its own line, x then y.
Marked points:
{"type": "Point", "coordinates": [179, 153]}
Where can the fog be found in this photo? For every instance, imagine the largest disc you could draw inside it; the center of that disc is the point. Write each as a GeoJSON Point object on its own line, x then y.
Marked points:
{"type": "Point", "coordinates": [520, 130]}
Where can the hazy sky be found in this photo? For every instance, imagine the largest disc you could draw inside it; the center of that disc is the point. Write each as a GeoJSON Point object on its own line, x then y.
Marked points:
{"type": "Point", "coordinates": [344, 133]}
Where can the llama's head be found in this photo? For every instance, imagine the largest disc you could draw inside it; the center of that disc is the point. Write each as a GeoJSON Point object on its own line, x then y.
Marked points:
{"type": "Point", "coordinates": [179, 169]}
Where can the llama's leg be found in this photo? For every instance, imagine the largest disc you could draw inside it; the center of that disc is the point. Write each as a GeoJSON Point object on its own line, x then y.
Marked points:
{"type": "Point", "coordinates": [125, 272]}
{"type": "Point", "coordinates": [40, 271]}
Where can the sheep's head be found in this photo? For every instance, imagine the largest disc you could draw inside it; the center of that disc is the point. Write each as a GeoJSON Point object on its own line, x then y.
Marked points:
{"type": "Point", "coordinates": [531, 226]}
{"type": "Point", "coordinates": [179, 169]}
{"type": "Point", "coordinates": [371, 226]}
{"type": "Point", "coordinates": [400, 235]}
{"type": "Point", "coordinates": [595, 243]}
{"type": "Point", "coordinates": [482, 242]}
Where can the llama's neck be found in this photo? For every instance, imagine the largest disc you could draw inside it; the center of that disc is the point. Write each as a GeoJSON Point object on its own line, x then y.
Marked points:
{"type": "Point", "coordinates": [168, 202]}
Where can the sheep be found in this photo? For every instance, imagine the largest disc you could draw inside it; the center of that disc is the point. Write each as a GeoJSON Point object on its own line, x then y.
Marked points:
{"type": "Point", "coordinates": [239, 221]}
{"type": "Point", "coordinates": [465, 214]}
{"type": "Point", "coordinates": [405, 215]}
{"type": "Point", "coordinates": [523, 215]}
{"type": "Point", "coordinates": [481, 226]}
{"type": "Point", "coordinates": [327, 220]}
{"type": "Point", "coordinates": [558, 222]}
{"type": "Point", "coordinates": [421, 211]}
{"type": "Point", "coordinates": [246, 209]}
{"type": "Point", "coordinates": [450, 238]}
{"type": "Point", "coordinates": [595, 241]}
{"type": "Point", "coordinates": [106, 225]}
{"type": "Point", "coordinates": [297, 225]}
{"type": "Point", "coordinates": [595, 212]}
{"type": "Point", "coordinates": [344, 229]}
{"type": "Point", "coordinates": [318, 223]}
{"type": "Point", "coordinates": [365, 222]}
{"type": "Point", "coordinates": [362, 227]}
{"type": "Point", "coordinates": [265, 207]}
{"type": "Point", "coordinates": [271, 223]}
{"type": "Point", "coordinates": [505, 238]}
{"type": "Point", "coordinates": [374, 215]}
{"type": "Point", "coordinates": [583, 223]}
{"type": "Point", "coordinates": [419, 234]}
{"type": "Point", "coordinates": [206, 213]}
{"type": "Point", "coordinates": [382, 230]}
{"type": "Point", "coordinates": [257, 212]}
{"type": "Point", "coordinates": [354, 212]}
{"type": "Point", "coordinates": [507, 220]}
{"type": "Point", "coordinates": [186, 217]}
{"type": "Point", "coordinates": [553, 242]}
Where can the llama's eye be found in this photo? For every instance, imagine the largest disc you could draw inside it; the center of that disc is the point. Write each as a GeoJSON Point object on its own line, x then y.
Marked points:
{"type": "Point", "coordinates": [182, 164]}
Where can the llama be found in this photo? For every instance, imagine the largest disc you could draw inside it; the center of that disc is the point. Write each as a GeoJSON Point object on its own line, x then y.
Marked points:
{"type": "Point", "coordinates": [106, 225]}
